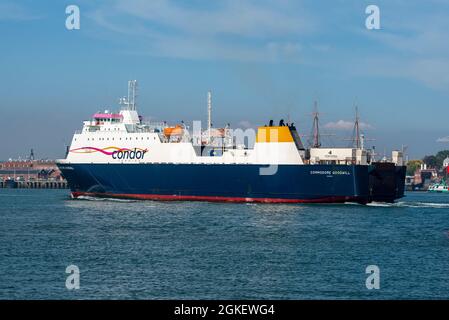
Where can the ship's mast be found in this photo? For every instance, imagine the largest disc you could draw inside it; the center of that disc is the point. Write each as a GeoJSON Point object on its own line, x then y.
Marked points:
{"type": "Point", "coordinates": [358, 138]}
{"type": "Point", "coordinates": [129, 102]}
{"type": "Point", "coordinates": [357, 141]}
{"type": "Point", "coordinates": [209, 110]}
{"type": "Point", "coordinates": [209, 113]}
{"type": "Point", "coordinates": [316, 127]}
{"type": "Point", "coordinates": [132, 93]}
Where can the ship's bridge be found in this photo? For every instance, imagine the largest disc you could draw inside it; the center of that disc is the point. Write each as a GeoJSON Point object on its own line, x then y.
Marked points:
{"type": "Point", "coordinates": [107, 117]}
{"type": "Point", "coordinates": [104, 121]}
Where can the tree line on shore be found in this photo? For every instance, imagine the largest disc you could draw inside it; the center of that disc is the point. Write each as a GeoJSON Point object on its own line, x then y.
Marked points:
{"type": "Point", "coordinates": [431, 161]}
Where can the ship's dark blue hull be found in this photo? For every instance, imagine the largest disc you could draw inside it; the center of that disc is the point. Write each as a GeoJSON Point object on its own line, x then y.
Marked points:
{"type": "Point", "coordinates": [386, 181]}
{"type": "Point", "coordinates": [240, 183]}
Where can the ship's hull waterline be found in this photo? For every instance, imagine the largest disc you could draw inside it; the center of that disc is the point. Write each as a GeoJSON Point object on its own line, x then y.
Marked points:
{"type": "Point", "coordinates": [222, 183]}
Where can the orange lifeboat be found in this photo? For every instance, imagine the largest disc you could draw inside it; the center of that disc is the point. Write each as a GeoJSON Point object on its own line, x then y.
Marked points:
{"type": "Point", "coordinates": [173, 131]}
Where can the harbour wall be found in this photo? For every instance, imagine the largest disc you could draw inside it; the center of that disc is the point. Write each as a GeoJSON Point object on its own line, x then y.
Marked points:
{"type": "Point", "coordinates": [34, 184]}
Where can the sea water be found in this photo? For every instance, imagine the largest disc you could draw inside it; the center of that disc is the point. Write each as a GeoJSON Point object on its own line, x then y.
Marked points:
{"type": "Point", "coordinates": [196, 250]}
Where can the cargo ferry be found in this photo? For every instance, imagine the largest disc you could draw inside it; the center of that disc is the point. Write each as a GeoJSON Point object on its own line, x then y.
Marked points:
{"type": "Point", "coordinates": [119, 155]}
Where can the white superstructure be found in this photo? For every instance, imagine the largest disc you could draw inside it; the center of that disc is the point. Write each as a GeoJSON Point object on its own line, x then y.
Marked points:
{"type": "Point", "coordinates": [124, 138]}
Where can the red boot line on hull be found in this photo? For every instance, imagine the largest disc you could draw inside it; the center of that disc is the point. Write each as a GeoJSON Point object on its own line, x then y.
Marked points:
{"type": "Point", "coordinates": [159, 197]}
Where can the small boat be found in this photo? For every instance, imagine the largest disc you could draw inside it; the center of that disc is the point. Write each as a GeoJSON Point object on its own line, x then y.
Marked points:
{"type": "Point", "coordinates": [439, 187]}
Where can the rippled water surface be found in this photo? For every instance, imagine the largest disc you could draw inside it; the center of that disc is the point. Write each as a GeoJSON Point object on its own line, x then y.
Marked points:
{"type": "Point", "coordinates": [193, 250]}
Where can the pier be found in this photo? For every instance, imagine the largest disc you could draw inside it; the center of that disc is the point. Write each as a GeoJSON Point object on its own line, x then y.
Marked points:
{"type": "Point", "coordinates": [31, 174]}
{"type": "Point", "coordinates": [34, 184]}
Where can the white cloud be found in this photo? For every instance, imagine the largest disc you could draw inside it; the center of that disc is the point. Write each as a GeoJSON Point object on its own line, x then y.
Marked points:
{"type": "Point", "coordinates": [265, 30]}
{"type": "Point", "coordinates": [417, 46]}
{"type": "Point", "coordinates": [11, 11]}
{"type": "Point", "coordinates": [432, 72]}
{"type": "Point", "coordinates": [226, 17]}
{"type": "Point", "coordinates": [413, 46]}
{"type": "Point", "coordinates": [443, 139]}
{"type": "Point", "coordinates": [346, 125]}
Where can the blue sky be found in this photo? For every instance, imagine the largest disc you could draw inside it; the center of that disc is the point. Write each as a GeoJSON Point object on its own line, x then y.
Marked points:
{"type": "Point", "coordinates": [262, 59]}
